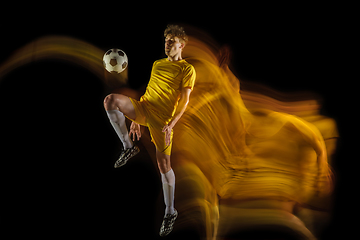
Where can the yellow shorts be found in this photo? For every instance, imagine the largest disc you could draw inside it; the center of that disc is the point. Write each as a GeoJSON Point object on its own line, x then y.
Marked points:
{"type": "Point", "coordinates": [147, 117]}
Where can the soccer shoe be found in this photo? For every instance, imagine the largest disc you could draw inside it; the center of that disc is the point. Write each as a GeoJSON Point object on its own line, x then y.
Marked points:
{"type": "Point", "coordinates": [168, 223]}
{"type": "Point", "coordinates": [125, 156]}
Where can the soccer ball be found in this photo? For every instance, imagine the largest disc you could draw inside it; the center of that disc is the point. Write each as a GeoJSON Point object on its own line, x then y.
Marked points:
{"type": "Point", "coordinates": [115, 60]}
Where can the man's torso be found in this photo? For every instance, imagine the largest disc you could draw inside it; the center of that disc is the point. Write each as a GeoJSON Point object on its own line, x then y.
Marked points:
{"type": "Point", "coordinates": [164, 87]}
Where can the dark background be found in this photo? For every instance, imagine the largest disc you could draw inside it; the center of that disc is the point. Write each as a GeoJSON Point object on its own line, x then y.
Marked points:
{"type": "Point", "coordinates": [58, 148]}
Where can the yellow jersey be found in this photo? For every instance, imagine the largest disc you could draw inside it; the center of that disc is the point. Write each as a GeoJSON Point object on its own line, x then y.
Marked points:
{"type": "Point", "coordinates": [167, 80]}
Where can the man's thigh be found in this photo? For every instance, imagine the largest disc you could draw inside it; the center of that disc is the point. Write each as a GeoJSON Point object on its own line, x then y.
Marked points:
{"type": "Point", "coordinates": [126, 106]}
{"type": "Point", "coordinates": [158, 138]}
{"type": "Point", "coordinates": [140, 112]}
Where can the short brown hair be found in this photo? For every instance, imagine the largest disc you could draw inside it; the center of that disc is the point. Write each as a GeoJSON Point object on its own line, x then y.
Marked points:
{"type": "Point", "coordinates": [176, 31]}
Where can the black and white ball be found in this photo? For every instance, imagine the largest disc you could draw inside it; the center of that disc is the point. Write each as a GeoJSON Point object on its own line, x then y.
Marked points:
{"type": "Point", "coordinates": [115, 60]}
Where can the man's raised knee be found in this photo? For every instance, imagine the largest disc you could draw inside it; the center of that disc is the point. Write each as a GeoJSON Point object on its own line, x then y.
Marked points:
{"type": "Point", "coordinates": [120, 102]}
{"type": "Point", "coordinates": [111, 102]}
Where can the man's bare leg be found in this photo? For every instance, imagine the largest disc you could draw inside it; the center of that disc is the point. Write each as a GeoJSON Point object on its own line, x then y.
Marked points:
{"type": "Point", "coordinates": [120, 102]}
{"type": "Point", "coordinates": [116, 105]}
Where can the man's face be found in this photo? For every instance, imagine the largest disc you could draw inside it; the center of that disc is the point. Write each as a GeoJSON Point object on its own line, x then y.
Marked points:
{"type": "Point", "coordinates": [172, 45]}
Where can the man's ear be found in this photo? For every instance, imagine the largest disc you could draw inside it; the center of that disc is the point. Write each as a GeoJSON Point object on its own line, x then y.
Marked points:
{"type": "Point", "coordinates": [182, 45]}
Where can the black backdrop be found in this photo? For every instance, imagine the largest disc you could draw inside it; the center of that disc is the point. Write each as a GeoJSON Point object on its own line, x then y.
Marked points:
{"type": "Point", "coordinates": [58, 148]}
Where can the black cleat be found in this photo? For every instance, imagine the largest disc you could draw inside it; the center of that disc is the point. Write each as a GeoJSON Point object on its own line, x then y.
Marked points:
{"type": "Point", "coordinates": [168, 223]}
{"type": "Point", "coordinates": [125, 156]}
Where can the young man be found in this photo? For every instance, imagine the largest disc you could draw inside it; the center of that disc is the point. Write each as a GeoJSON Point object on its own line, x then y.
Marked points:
{"type": "Point", "coordinates": [160, 108]}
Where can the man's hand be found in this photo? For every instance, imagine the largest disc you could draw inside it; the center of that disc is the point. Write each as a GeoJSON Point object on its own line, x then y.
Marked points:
{"type": "Point", "coordinates": [167, 130]}
{"type": "Point", "coordinates": [135, 131]}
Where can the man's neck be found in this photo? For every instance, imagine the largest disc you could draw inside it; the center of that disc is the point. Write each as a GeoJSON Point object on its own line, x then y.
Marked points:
{"type": "Point", "coordinates": [177, 57]}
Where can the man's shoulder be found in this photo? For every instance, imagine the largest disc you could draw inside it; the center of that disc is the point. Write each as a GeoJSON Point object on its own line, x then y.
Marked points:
{"type": "Point", "coordinates": [188, 66]}
{"type": "Point", "coordinates": [160, 60]}
{"type": "Point", "coordinates": [187, 63]}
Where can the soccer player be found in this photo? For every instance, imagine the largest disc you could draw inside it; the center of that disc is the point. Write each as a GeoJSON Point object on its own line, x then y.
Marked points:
{"type": "Point", "coordinates": [160, 108]}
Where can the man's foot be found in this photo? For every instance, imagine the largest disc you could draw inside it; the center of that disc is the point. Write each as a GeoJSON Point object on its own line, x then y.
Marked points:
{"type": "Point", "coordinates": [125, 156]}
{"type": "Point", "coordinates": [168, 223]}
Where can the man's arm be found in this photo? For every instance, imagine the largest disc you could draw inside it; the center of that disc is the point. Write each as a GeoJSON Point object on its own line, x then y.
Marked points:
{"type": "Point", "coordinates": [183, 102]}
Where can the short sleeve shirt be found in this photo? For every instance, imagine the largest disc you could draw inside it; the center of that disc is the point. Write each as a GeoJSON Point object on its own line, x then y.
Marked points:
{"type": "Point", "coordinates": [167, 80]}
